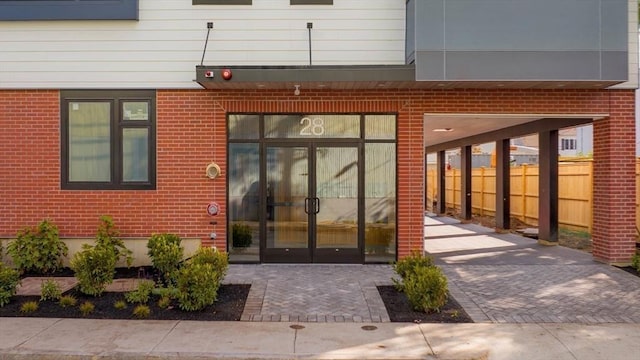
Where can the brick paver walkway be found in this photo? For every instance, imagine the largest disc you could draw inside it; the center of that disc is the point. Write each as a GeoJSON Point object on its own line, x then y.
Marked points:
{"type": "Point", "coordinates": [313, 292]}
{"type": "Point", "coordinates": [505, 278]}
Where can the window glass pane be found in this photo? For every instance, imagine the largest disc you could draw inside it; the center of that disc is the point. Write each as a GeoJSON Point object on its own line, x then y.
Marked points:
{"type": "Point", "coordinates": [244, 202]}
{"type": "Point", "coordinates": [138, 110]}
{"type": "Point", "coordinates": [380, 202]}
{"type": "Point", "coordinates": [312, 126]}
{"type": "Point", "coordinates": [89, 141]}
{"type": "Point", "coordinates": [135, 154]}
{"type": "Point", "coordinates": [379, 127]}
{"type": "Point", "coordinates": [244, 126]}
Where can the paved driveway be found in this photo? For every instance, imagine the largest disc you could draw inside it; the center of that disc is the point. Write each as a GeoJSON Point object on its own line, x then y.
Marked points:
{"type": "Point", "coordinates": [505, 278]}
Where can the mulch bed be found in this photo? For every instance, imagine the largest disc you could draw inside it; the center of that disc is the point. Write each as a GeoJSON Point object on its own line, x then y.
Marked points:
{"type": "Point", "coordinates": [400, 310]}
{"type": "Point", "coordinates": [228, 307]}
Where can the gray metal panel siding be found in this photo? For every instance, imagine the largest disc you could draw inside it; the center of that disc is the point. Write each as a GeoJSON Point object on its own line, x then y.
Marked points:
{"type": "Point", "coordinates": [430, 65]}
{"type": "Point", "coordinates": [614, 24]}
{"type": "Point", "coordinates": [522, 65]}
{"type": "Point", "coordinates": [429, 25]}
{"type": "Point", "coordinates": [552, 40]}
{"type": "Point", "coordinates": [69, 10]}
{"type": "Point", "coordinates": [410, 34]}
{"type": "Point", "coordinates": [522, 25]}
{"type": "Point", "coordinates": [614, 65]}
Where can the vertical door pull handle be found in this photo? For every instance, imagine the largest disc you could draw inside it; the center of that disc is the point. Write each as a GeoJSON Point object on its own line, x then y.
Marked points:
{"type": "Point", "coordinates": [306, 205]}
{"type": "Point", "coordinates": [317, 203]}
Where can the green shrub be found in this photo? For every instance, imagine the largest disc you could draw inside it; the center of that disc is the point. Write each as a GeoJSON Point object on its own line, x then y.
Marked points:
{"type": "Point", "coordinates": [108, 236]}
{"type": "Point", "coordinates": [141, 294]}
{"type": "Point", "coordinates": [39, 250]}
{"type": "Point", "coordinates": [9, 281]}
{"type": "Point", "coordinates": [241, 235]}
{"type": "Point", "coordinates": [197, 286]}
{"type": "Point", "coordinates": [94, 268]}
{"type": "Point", "coordinates": [200, 278]}
{"type": "Point", "coordinates": [164, 302]}
{"type": "Point", "coordinates": [67, 301]}
{"type": "Point", "coordinates": [142, 311]}
{"type": "Point", "coordinates": [120, 304]}
{"type": "Point", "coordinates": [207, 255]}
{"type": "Point", "coordinates": [409, 265]}
{"type": "Point", "coordinates": [50, 290]}
{"type": "Point", "coordinates": [635, 262]}
{"type": "Point", "coordinates": [426, 289]}
{"type": "Point", "coordinates": [86, 308]}
{"type": "Point", "coordinates": [29, 307]}
{"type": "Point", "coordinates": [166, 253]}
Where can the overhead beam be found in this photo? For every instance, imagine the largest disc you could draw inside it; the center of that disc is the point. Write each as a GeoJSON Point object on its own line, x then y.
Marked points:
{"type": "Point", "coordinates": [537, 126]}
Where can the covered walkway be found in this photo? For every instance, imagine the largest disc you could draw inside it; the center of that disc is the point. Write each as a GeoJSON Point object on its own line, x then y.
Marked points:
{"type": "Point", "coordinates": [506, 278]}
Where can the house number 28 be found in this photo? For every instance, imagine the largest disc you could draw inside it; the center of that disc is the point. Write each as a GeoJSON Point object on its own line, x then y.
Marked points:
{"type": "Point", "coordinates": [312, 127]}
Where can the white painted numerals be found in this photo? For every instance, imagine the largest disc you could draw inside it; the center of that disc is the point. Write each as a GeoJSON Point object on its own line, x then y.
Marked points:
{"type": "Point", "coordinates": [312, 127]}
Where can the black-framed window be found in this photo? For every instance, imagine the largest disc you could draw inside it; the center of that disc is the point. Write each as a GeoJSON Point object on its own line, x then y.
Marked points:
{"type": "Point", "coordinates": [68, 10]}
{"type": "Point", "coordinates": [108, 139]}
{"type": "Point", "coordinates": [311, 2]}
{"type": "Point", "coordinates": [221, 2]}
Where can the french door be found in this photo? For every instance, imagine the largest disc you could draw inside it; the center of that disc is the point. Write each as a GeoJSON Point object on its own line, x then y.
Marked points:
{"type": "Point", "coordinates": [313, 202]}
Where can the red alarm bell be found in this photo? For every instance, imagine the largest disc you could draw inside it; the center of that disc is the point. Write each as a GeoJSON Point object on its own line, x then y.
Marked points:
{"type": "Point", "coordinates": [226, 74]}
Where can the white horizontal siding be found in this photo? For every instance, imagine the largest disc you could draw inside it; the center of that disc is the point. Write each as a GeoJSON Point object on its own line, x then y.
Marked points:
{"type": "Point", "coordinates": [163, 48]}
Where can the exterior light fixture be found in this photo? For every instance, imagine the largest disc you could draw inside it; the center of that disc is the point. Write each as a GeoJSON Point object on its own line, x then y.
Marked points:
{"type": "Point", "coordinates": [443, 130]}
{"type": "Point", "coordinates": [296, 92]}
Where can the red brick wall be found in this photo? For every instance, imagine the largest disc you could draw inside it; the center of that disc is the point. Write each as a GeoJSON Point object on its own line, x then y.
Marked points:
{"type": "Point", "coordinates": [614, 193]}
{"type": "Point", "coordinates": [191, 133]}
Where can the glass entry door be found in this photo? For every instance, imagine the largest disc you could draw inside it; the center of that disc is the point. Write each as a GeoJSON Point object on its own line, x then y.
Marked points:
{"type": "Point", "coordinates": [313, 208]}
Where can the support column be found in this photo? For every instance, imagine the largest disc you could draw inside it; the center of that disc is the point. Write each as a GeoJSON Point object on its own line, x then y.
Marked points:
{"type": "Point", "coordinates": [465, 177]}
{"type": "Point", "coordinates": [548, 188]}
{"type": "Point", "coordinates": [614, 184]}
{"type": "Point", "coordinates": [441, 206]}
{"type": "Point", "coordinates": [503, 184]}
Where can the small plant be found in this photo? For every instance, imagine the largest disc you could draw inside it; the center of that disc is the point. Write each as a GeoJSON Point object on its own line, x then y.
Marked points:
{"type": "Point", "coordinates": [166, 253]}
{"type": "Point", "coordinates": [50, 290]}
{"type": "Point", "coordinates": [141, 311]}
{"type": "Point", "coordinates": [86, 308]}
{"type": "Point", "coordinates": [94, 267]}
{"type": "Point", "coordinates": [29, 307]}
{"type": "Point", "coordinates": [108, 236]}
{"type": "Point", "coordinates": [67, 301]}
{"type": "Point", "coordinates": [120, 304]}
{"type": "Point", "coordinates": [39, 249]}
{"type": "Point", "coordinates": [164, 302]}
{"type": "Point", "coordinates": [141, 294]}
{"type": "Point", "coordinates": [635, 262]}
{"type": "Point", "coordinates": [241, 235]}
{"type": "Point", "coordinates": [9, 281]}
{"type": "Point", "coordinates": [408, 266]}
{"type": "Point", "coordinates": [426, 289]}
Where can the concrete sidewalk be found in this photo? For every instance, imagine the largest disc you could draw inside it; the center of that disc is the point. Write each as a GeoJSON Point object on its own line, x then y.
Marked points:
{"type": "Point", "coordinates": [37, 338]}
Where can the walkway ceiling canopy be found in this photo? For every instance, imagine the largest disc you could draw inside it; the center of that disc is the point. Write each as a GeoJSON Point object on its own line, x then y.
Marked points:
{"type": "Point", "coordinates": [348, 77]}
{"type": "Point", "coordinates": [448, 131]}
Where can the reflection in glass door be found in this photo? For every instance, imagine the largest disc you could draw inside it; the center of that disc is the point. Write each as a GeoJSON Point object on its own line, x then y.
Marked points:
{"type": "Point", "coordinates": [312, 204]}
{"type": "Point", "coordinates": [287, 235]}
{"type": "Point", "coordinates": [336, 204]}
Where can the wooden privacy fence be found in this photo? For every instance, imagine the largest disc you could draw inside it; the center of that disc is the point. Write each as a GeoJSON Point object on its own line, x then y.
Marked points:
{"type": "Point", "coordinates": [575, 192]}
